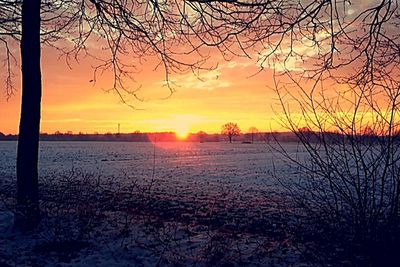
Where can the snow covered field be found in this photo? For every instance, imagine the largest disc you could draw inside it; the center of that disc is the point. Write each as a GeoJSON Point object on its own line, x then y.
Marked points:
{"type": "Point", "coordinates": [205, 204]}
{"type": "Point", "coordinates": [229, 162]}
{"type": "Point", "coordinates": [205, 167]}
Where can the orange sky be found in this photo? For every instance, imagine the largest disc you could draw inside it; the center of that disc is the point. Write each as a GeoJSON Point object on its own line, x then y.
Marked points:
{"type": "Point", "coordinates": [72, 103]}
{"type": "Point", "coordinates": [227, 94]}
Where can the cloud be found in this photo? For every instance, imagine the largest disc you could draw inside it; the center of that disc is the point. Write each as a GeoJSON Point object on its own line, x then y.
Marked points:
{"type": "Point", "coordinates": [295, 55]}
{"type": "Point", "coordinates": [234, 64]}
{"type": "Point", "coordinates": [209, 80]}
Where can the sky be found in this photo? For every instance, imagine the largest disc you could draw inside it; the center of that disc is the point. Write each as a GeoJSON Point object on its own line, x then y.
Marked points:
{"type": "Point", "coordinates": [71, 102]}
{"type": "Point", "coordinates": [229, 92]}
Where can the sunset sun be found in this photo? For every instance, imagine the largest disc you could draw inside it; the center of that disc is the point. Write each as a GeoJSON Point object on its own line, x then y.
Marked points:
{"type": "Point", "coordinates": [181, 132]}
{"type": "Point", "coordinates": [181, 125]}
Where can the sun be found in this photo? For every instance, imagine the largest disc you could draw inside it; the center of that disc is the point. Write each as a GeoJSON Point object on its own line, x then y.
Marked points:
{"type": "Point", "coordinates": [181, 131]}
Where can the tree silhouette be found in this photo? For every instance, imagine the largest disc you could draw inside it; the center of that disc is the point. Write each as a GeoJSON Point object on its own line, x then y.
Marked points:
{"type": "Point", "coordinates": [28, 141]}
{"type": "Point", "coordinates": [253, 132]}
{"type": "Point", "coordinates": [201, 136]}
{"type": "Point", "coordinates": [230, 129]}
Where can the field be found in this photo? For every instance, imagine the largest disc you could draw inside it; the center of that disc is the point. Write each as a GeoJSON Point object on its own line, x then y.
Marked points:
{"type": "Point", "coordinates": [244, 170]}
{"type": "Point", "coordinates": [133, 204]}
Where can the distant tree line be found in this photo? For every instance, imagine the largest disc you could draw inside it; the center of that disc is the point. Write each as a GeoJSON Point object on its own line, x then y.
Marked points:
{"type": "Point", "coordinates": [201, 136]}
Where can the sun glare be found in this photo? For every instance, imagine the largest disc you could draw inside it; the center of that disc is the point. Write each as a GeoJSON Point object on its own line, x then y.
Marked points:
{"type": "Point", "coordinates": [181, 126]}
{"type": "Point", "coordinates": [181, 130]}
{"type": "Point", "coordinates": [181, 134]}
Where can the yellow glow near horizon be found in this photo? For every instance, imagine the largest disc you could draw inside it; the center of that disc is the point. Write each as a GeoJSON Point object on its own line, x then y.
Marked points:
{"type": "Point", "coordinates": [181, 134]}
{"type": "Point", "coordinates": [181, 130]}
{"type": "Point", "coordinates": [71, 103]}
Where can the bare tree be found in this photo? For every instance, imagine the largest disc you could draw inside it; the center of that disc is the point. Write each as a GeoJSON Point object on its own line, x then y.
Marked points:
{"type": "Point", "coordinates": [201, 136]}
{"type": "Point", "coordinates": [28, 140]}
{"type": "Point", "coordinates": [348, 166]}
{"type": "Point", "coordinates": [230, 129]}
{"type": "Point", "coordinates": [336, 72]}
{"type": "Point", "coordinates": [253, 131]}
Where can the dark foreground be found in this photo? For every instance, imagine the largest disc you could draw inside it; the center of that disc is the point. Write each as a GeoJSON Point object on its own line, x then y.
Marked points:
{"type": "Point", "coordinates": [97, 222]}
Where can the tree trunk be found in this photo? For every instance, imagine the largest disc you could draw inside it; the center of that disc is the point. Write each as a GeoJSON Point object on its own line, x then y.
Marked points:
{"type": "Point", "coordinates": [27, 216]}
{"type": "Point", "coordinates": [230, 138]}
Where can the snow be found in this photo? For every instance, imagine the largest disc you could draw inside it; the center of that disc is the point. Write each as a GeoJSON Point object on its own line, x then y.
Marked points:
{"type": "Point", "coordinates": [144, 204]}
